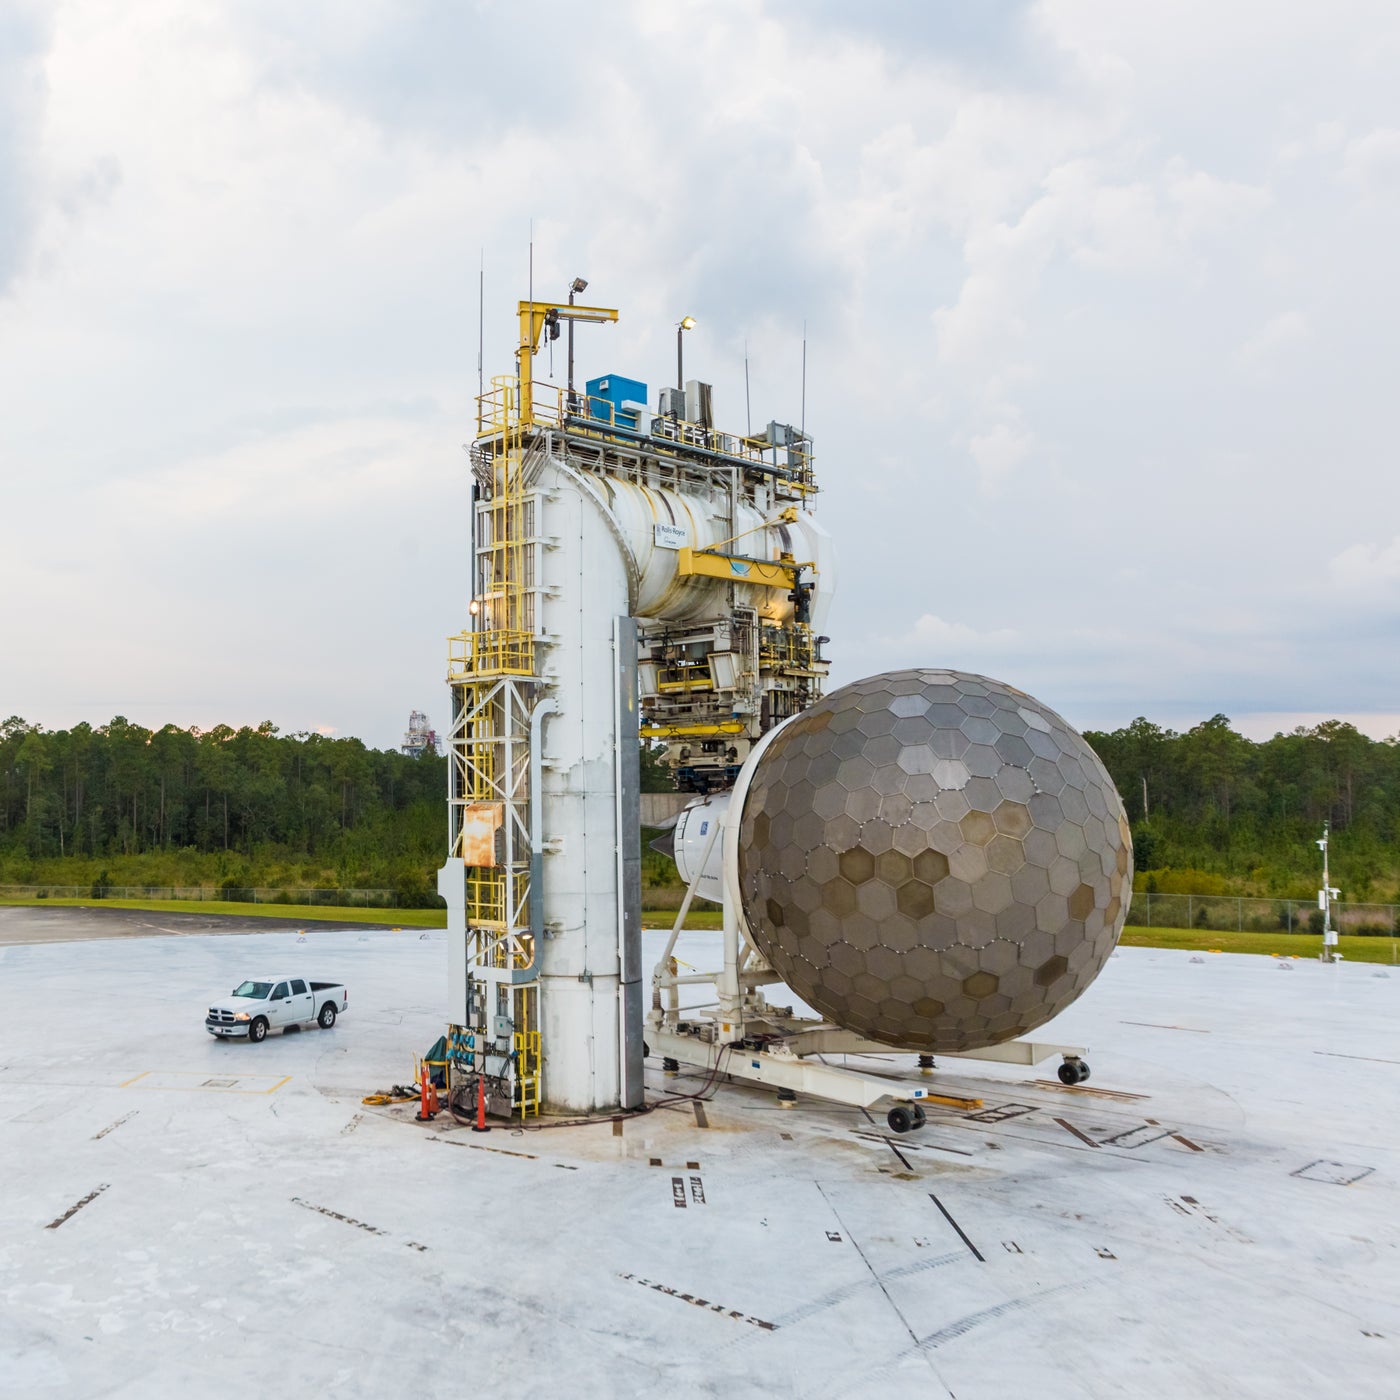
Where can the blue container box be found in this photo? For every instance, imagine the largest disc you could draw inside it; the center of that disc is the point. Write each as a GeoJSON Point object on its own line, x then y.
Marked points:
{"type": "Point", "coordinates": [607, 394]}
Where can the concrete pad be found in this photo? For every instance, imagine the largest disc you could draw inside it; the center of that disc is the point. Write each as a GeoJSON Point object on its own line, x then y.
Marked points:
{"type": "Point", "coordinates": [1214, 1213]}
{"type": "Point", "coordinates": [31, 923]}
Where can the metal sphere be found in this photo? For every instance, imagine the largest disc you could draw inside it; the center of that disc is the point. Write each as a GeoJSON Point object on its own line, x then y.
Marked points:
{"type": "Point", "coordinates": [934, 859]}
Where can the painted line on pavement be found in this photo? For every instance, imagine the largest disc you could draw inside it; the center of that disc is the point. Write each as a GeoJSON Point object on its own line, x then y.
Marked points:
{"type": "Point", "coordinates": [976, 1252]}
{"type": "Point", "coordinates": [211, 1084]}
{"type": "Point", "coordinates": [76, 1207]}
{"type": "Point", "coordinates": [102, 1132]}
{"type": "Point", "coordinates": [1070, 1128]}
{"type": "Point", "coordinates": [702, 1303]}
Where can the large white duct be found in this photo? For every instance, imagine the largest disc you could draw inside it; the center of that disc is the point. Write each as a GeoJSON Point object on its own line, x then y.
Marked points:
{"type": "Point", "coordinates": [591, 918]}
{"type": "Point", "coordinates": [705, 522]}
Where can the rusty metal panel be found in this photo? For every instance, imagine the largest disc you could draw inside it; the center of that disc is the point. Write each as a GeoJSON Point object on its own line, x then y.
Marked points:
{"type": "Point", "coordinates": [480, 823]}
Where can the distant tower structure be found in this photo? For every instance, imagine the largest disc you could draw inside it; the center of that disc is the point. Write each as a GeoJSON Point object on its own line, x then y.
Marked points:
{"type": "Point", "coordinates": [421, 737]}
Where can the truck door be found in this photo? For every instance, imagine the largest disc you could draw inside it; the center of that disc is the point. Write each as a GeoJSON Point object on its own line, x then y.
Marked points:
{"type": "Point", "coordinates": [303, 1008]}
{"type": "Point", "coordinates": [279, 1005]}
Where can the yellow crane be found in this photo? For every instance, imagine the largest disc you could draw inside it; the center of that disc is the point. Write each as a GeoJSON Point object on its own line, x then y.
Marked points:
{"type": "Point", "coordinates": [537, 317]}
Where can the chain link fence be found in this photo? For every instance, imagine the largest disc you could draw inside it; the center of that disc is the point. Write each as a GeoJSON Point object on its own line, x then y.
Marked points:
{"type": "Point", "coordinates": [341, 899]}
{"type": "Point", "coordinates": [1243, 914]}
{"type": "Point", "coordinates": [1181, 911]}
{"type": "Point", "coordinates": [652, 899]}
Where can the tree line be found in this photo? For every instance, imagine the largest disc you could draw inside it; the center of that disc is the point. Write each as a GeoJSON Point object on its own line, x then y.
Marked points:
{"type": "Point", "coordinates": [1212, 800]}
{"type": "Point", "coordinates": [252, 795]}
{"type": "Point", "coordinates": [259, 807]}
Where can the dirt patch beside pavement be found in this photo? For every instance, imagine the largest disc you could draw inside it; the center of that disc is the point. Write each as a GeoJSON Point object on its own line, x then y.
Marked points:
{"type": "Point", "coordinates": [26, 924]}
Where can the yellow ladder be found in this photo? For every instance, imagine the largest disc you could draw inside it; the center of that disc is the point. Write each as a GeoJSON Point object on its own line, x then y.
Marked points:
{"type": "Point", "coordinates": [527, 1072]}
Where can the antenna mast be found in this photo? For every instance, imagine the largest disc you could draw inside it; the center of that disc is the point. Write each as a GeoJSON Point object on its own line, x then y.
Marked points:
{"type": "Point", "coordinates": [803, 428]}
{"type": "Point", "coordinates": [748, 412]}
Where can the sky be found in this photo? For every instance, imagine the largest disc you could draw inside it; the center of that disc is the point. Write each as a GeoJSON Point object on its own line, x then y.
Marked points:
{"type": "Point", "coordinates": [1100, 301]}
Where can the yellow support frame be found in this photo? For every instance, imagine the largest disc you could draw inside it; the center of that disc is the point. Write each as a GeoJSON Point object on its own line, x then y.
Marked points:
{"type": "Point", "coordinates": [692, 731]}
{"type": "Point", "coordinates": [735, 568]}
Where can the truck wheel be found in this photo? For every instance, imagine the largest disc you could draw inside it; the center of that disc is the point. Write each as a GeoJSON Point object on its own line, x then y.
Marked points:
{"type": "Point", "coordinates": [327, 1017]}
{"type": "Point", "coordinates": [257, 1029]}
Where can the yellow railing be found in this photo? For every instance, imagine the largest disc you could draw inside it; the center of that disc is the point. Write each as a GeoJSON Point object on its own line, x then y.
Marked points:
{"type": "Point", "coordinates": [498, 651]}
{"type": "Point", "coordinates": [486, 900]}
{"type": "Point", "coordinates": [503, 642]}
{"type": "Point", "coordinates": [553, 407]}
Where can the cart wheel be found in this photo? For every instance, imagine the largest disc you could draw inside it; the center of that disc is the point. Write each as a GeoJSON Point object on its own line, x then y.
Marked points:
{"type": "Point", "coordinates": [900, 1118]}
{"type": "Point", "coordinates": [1073, 1072]}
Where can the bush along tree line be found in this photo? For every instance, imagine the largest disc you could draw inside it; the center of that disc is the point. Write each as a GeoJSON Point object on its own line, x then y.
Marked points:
{"type": "Point", "coordinates": [1215, 813]}
{"type": "Point", "coordinates": [123, 805]}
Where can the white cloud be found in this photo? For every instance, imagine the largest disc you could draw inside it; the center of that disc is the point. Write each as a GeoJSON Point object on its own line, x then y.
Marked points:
{"type": "Point", "coordinates": [346, 466]}
{"type": "Point", "coordinates": [1372, 162]}
{"type": "Point", "coordinates": [1204, 205]}
{"type": "Point", "coordinates": [1366, 565]}
{"type": "Point", "coordinates": [1271, 343]}
{"type": "Point", "coordinates": [930, 640]}
{"type": "Point", "coordinates": [998, 453]}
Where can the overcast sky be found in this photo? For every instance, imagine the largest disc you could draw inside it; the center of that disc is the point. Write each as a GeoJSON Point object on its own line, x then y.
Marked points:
{"type": "Point", "coordinates": [1101, 303]}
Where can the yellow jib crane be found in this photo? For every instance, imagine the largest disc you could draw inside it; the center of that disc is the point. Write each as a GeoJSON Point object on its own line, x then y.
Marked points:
{"type": "Point", "coordinates": [535, 318]}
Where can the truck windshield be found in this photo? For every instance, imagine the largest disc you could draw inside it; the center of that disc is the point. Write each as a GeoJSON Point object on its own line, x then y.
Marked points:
{"type": "Point", "coordinates": [257, 990]}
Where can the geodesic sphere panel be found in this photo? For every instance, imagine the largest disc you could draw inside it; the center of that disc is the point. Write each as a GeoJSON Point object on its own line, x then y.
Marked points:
{"type": "Point", "coordinates": [934, 859]}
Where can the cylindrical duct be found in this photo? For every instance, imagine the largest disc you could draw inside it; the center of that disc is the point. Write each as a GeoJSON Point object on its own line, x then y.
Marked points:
{"type": "Point", "coordinates": [655, 522]}
{"type": "Point", "coordinates": [588, 915]}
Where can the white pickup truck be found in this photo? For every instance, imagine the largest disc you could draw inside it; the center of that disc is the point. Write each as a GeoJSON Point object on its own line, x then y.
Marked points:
{"type": "Point", "coordinates": [257, 1006]}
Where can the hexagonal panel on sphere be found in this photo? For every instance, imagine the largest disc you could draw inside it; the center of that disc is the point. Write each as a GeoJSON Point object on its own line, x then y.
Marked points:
{"type": "Point", "coordinates": [934, 859]}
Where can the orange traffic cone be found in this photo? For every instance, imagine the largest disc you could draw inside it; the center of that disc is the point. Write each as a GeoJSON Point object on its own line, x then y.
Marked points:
{"type": "Point", "coordinates": [480, 1126]}
{"type": "Point", "coordinates": [428, 1105]}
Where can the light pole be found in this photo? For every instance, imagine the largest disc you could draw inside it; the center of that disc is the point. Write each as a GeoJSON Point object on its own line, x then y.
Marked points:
{"type": "Point", "coordinates": [1325, 896]}
{"type": "Point", "coordinates": [579, 284]}
{"type": "Point", "coordinates": [686, 323]}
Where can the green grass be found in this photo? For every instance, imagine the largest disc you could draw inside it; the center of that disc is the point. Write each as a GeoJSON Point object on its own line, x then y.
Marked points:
{"type": "Point", "coordinates": [696, 919]}
{"type": "Point", "coordinates": [1302, 945]}
{"type": "Point", "coordinates": [308, 913]}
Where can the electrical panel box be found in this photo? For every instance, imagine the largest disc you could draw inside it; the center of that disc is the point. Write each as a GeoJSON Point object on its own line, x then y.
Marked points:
{"type": "Point", "coordinates": [500, 1027]}
{"type": "Point", "coordinates": [613, 398]}
{"type": "Point", "coordinates": [699, 403]}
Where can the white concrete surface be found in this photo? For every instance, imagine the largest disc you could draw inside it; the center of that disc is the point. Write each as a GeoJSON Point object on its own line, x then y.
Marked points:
{"type": "Point", "coordinates": [258, 1231]}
